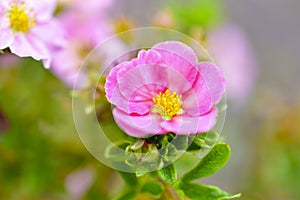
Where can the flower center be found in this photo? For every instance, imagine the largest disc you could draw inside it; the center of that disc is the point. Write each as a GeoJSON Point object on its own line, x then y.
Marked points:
{"type": "Point", "coordinates": [19, 19]}
{"type": "Point", "coordinates": [167, 104]}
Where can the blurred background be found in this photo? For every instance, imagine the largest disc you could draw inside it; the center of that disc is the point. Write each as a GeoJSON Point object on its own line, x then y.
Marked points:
{"type": "Point", "coordinates": [255, 42]}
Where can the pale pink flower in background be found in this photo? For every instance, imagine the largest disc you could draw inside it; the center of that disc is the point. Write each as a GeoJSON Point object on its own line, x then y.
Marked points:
{"type": "Point", "coordinates": [85, 27]}
{"type": "Point", "coordinates": [165, 89]}
{"type": "Point", "coordinates": [28, 29]}
{"type": "Point", "coordinates": [232, 51]}
{"type": "Point", "coordinates": [78, 182]}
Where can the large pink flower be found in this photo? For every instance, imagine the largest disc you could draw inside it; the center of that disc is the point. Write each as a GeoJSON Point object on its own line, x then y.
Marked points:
{"type": "Point", "coordinates": [165, 89]}
{"type": "Point", "coordinates": [28, 29]}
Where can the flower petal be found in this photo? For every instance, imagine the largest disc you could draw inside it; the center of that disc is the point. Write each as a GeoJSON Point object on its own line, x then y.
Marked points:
{"type": "Point", "coordinates": [43, 9]}
{"type": "Point", "coordinates": [214, 80]}
{"type": "Point", "coordinates": [47, 31]}
{"type": "Point", "coordinates": [6, 38]}
{"type": "Point", "coordinates": [184, 124]}
{"type": "Point", "coordinates": [137, 125]}
{"type": "Point", "coordinates": [207, 90]}
{"type": "Point", "coordinates": [178, 56]}
{"type": "Point", "coordinates": [24, 46]}
{"type": "Point", "coordinates": [135, 83]}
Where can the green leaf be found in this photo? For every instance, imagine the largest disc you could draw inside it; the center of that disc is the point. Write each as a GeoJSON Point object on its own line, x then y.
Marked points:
{"type": "Point", "coordinates": [129, 178]}
{"type": "Point", "coordinates": [202, 192]}
{"type": "Point", "coordinates": [168, 174]}
{"type": "Point", "coordinates": [155, 189]}
{"type": "Point", "coordinates": [129, 195]}
{"type": "Point", "coordinates": [210, 163]}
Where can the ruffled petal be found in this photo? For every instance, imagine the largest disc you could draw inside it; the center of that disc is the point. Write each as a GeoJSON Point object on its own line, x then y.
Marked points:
{"type": "Point", "coordinates": [137, 125]}
{"type": "Point", "coordinates": [6, 38]}
{"type": "Point", "coordinates": [214, 80]}
{"type": "Point", "coordinates": [185, 124]}
{"type": "Point", "coordinates": [179, 57]}
{"type": "Point", "coordinates": [207, 90]}
{"type": "Point", "coordinates": [24, 46]}
{"type": "Point", "coordinates": [135, 83]}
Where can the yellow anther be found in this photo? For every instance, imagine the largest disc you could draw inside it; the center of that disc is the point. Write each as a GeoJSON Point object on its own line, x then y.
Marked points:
{"type": "Point", "coordinates": [167, 104]}
{"type": "Point", "coordinates": [20, 18]}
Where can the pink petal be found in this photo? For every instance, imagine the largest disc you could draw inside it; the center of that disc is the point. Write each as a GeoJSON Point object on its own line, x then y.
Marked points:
{"type": "Point", "coordinates": [179, 49]}
{"type": "Point", "coordinates": [6, 38]}
{"type": "Point", "coordinates": [135, 83]}
{"type": "Point", "coordinates": [24, 46]}
{"type": "Point", "coordinates": [207, 90]}
{"type": "Point", "coordinates": [43, 9]}
{"type": "Point", "coordinates": [138, 125]}
{"type": "Point", "coordinates": [184, 124]}
{"type": "Point", "coordinates": [47, 31]}
{"type": "Point", "coordinates": [140, 101]}
{"type": "Point", "coordinates": [180, 57]}
{"type": "Point", "coordinates": [214, 80]}
{"type": "Point", "coordinates": [139, 107]}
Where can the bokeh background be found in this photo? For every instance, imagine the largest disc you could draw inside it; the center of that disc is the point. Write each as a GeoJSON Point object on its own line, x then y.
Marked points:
{"type": "Point", "coordinates": [255, 42]}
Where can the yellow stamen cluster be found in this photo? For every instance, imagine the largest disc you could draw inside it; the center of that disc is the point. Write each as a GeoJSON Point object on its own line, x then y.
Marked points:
{"type": "Point", "coordinates": [19, 18]}
{"type": "Point", "coordinates": [167, 104]}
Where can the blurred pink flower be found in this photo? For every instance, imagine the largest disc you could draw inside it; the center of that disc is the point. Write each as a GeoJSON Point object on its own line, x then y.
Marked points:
{"type": "Point", "coordinates": [232, 51]}
{"type": "Point", "coordinates": [28, 29]}
{"type": "Point", "coordinates": [85, 27]}
{"type": "Point", "coordinates": [165, 90]}
{"type": "Point", "coordinates": [78, 182]}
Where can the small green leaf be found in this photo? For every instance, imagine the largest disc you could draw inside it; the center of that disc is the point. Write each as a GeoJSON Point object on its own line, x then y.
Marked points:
{"type": "Point", "coordinates": [210, 163]}
{"type": "Point", "coordinates": [129, 195]}
{"type": "Point", "coordinates": [129, 178]}
{"type": "Point", "coordinates": [168, 174]}
{"type": "Point", "coordinates": [202, 192]}
{"type": "Point", "coordinates": [155, 189]}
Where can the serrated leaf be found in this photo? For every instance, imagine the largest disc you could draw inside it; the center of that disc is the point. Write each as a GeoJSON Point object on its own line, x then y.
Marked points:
{"type": "Point", "coordinates": [155, 189]}
{"type": "Point", "coordinates": [210, 163]}
{"type": "Point", "coordinates": [202, 192]}
{"type": "Point", "coordinates": [168, 174]}
{"type": "Point", "coordinates": [129, 178]}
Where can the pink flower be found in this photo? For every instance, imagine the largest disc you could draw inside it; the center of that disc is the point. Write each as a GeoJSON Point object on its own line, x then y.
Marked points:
{"type": "Point", "coordinates": [232, 51]}
{"type": "Point", "coordinates": [85, 27]}
{"type": "Point", "coordinates": [28, 29]}
{"type": "Point", "coordinates": [165, 90]}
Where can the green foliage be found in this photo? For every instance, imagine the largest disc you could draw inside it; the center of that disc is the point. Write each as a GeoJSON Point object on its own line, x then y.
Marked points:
{"type": "Point", "coordinates": [204, 13]}
{"type": "Point", "coordinates": [212, 162]}
{"type": "Point", "coordinates": [129, 178]}
{"type": "Point", "coordinates": [201, 192]}
{"type": "Point", "coordinates": [168, 174]}
{"type": "Point", "coordinates": [129, 195]}
{"type": "Point", "coordinates": [155, 189]}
